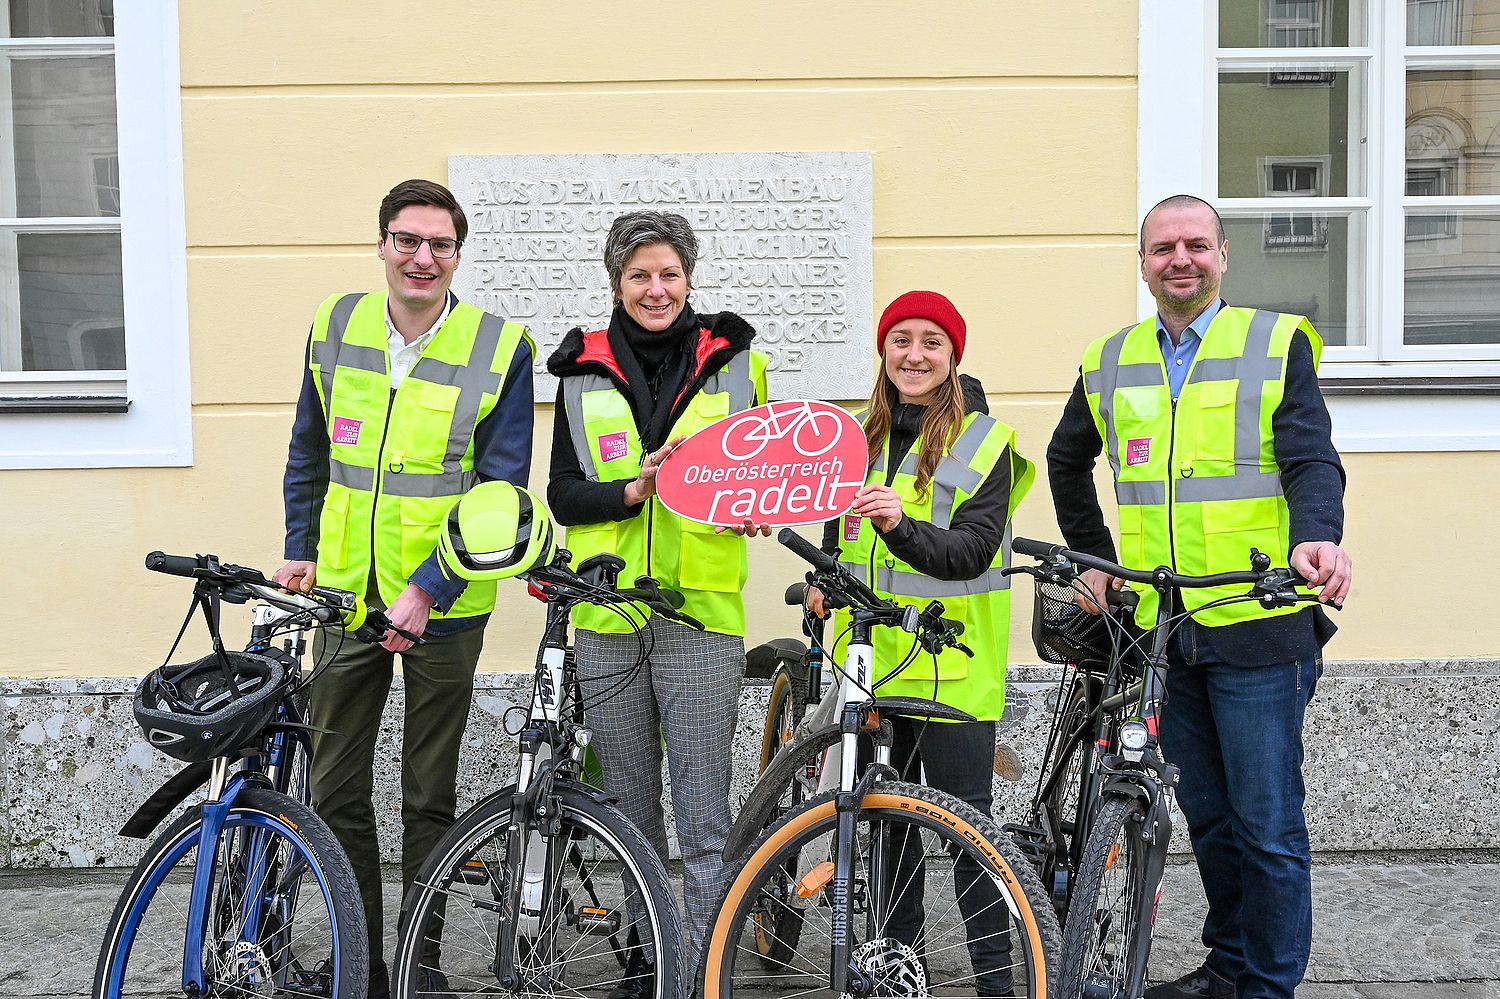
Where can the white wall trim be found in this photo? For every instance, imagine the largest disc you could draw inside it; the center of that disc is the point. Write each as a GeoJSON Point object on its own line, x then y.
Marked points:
{"type": "Point", "coordinates": [157, 431]}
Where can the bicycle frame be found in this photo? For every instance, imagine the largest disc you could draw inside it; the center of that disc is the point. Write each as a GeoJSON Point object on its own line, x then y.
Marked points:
{"type": "Point", "coordinates": [224, 789]}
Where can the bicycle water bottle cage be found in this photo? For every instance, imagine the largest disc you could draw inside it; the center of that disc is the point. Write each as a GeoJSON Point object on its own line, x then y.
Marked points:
{"type": "Point", "coordinates": [602, 569]}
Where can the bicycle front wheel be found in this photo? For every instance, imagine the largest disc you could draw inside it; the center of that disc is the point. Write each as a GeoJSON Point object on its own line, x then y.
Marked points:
{"type": "Point", "coordinates": [1102, 928]}
{"type": "Point", "coordinates": [596, 912]}
{"type": "Point", "coordinates": [940, 903]}
{"type": "Point", "coordinates": [278, 865]}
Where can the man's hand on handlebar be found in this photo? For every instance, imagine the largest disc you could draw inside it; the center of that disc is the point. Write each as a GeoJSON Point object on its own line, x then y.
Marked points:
{"type": "Point", "coordinates": [813, 601]}
{"type": "Point", "coordinates": [409, 612]}
{"type": "Point", "coordinates": [1326, 565]}
{"type": "Point", "coordinates": [296, 575]}
{"type": "Point", "coordinates": [1098, 584]}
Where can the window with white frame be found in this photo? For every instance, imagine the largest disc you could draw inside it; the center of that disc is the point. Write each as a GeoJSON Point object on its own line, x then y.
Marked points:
{"type": "Point", "coordinates": [92, 259]}
{"type": "Point", "coordinates": [1385, 181]}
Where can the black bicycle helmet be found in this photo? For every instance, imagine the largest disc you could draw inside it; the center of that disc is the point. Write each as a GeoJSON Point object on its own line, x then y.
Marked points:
{"type": "Point", "coordinates": [207, 709]}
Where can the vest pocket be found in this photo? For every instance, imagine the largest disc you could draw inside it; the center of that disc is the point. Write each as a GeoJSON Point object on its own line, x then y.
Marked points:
{"type": "Point", "coordinates": [334, 529]}
{"type": "Point", "coordinates": [712, 562]}
{"type": "Point", "coordinates": [420, 519]}
{"type": "Point", "coordinates": [1215, 406]}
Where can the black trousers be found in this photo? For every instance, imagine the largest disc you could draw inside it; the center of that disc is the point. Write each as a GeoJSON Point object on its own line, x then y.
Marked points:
{"type": "Point", "coordinates": [959, 759]}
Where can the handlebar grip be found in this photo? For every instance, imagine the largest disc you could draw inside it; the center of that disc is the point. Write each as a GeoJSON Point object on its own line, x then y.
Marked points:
{"type": "Point", "coordinates": [1122, 598]}
{"type": "Point", "coordinates": [806, 551]}
{"type": "Point", "coordinates": [1036, 549]}
{"type": "Point", "coordinates": [173, 565]}
{"type": "Point", "coordinates": [796, 594]}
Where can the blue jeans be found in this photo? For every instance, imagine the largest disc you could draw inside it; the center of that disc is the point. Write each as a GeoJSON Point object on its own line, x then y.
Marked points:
{"type": "Point", "coordinates": [1236, 732]}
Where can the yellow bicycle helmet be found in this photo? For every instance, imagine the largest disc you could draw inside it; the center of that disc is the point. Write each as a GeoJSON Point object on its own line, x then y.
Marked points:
{"type": "Point", "coordinates": [496, 531]}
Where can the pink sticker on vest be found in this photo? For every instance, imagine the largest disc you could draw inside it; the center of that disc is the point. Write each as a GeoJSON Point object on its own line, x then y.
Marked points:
{"type": "Point", "coordinates": [345, 430]}
{"type": "Point", "coordinates": [613, 446]}
{"type": "Point", "coordinates": [1138, 451]}
{"type": "Point", "coordinates": [851, 527]}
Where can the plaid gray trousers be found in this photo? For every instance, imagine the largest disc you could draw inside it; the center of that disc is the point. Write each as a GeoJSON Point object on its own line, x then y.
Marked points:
{"type": "Point", "coordinates": [687, 694]}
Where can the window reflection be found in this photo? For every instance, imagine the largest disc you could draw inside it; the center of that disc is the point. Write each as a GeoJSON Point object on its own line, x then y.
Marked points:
{"type": "Point", "coordinates": [1452, 22]}
{"type": "Point", "coordinates": [1452, 277]}
{"type": "Point", "coordinates": [1453, 132]}
{"type": "Point", "coordinates": [1310, 263]}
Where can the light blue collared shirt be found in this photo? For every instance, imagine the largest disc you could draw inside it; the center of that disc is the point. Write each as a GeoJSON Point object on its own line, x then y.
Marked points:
{"type": "Point", "coordinates": [1178, 357]}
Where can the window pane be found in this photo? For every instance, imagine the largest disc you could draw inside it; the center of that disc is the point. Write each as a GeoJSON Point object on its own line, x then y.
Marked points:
{"type": "Point", "coordinates": [1453, 129]}
{"type": "Point", "coordinates": [1291, 113]}
{"type": "Point", "coordinates": [69, 300]}
{"type": "Point", "coordinates": [1303, 262]}
{"type": "Point", "coordinates": [54, 18]}
{"type": "Point", "coordinates": [1452, 22]}
{"type": "Point", "coordinates": [66, 140]}
{"type": "Point", "coordinates": [1258, 24]}
{"type": "Point", "coordinates": [1452, 277]}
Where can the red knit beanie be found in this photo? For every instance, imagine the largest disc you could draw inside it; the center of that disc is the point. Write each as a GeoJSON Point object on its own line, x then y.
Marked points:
{"type": "Point", "coordinates": [927, 305]}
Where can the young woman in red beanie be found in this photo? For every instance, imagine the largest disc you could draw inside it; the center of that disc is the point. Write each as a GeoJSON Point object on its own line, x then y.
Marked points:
{"type": "Point", "coordinates": [931, 523]}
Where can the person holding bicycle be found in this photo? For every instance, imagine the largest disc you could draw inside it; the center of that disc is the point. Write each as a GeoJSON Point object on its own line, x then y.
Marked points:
{"type": "Point", "coordinates": [1219, 440]}
{"type": "Point", "coordinates": [931, 522]}
{"type": "Point", "coordinates": [627, 395]}
{"type": "Point", "coordinates": [409, 398]}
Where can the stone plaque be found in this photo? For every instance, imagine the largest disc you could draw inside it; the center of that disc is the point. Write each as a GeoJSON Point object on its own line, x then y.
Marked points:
{"type": "Point", "coordinates": [784, 241]}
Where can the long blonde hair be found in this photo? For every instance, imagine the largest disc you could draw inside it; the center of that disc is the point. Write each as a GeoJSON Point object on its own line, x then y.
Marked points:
{"type": "Point", "coordinates": [940, 425]}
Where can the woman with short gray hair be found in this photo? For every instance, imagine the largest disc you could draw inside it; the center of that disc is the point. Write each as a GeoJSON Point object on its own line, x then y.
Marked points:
{"type": "Point", "coordinates": [627, 395]}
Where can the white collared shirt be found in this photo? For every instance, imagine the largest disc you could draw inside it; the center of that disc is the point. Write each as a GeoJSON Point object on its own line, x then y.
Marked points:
{"type": "Point", "coordinates": [403, 354]}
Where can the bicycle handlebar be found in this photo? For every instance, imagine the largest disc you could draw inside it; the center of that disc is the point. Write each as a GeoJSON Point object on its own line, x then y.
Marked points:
{"type": "Point", "coordinates": [1158, 577]}
{"type": "Point", "coordinates": [326, 604]}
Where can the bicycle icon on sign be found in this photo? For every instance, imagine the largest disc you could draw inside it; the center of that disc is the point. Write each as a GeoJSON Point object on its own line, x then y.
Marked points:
{"type": "Point", "coordinates": [813, 432]}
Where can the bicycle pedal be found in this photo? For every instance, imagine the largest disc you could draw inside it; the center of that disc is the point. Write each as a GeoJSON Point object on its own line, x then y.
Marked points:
{"type": "Point", "coordinates": [1029, 840]}
{"type": "Point", "coordinates": [595, 921]}
{"type": "Point", "coordinates": [474, 872]}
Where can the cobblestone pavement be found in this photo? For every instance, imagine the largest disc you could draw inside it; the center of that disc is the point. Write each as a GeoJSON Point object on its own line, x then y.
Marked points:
{"type": "Point", "coordinates": [1428, 931]}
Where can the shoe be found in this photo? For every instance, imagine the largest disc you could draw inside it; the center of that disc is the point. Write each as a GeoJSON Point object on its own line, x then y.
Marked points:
{"type": "Point", "coordinates": [432, 984]}
{"type": "Point", "coordinates": [639, 981]}
{"type": "Point", "coordinates": [1202, 983]}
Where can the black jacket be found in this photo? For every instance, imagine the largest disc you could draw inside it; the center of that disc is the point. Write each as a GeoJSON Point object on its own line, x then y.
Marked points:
{"type": "Point", "coordinates": [572, 497]}
{"type": "Point", "coordinates": [968, 546]}
{"type": "Point", "coordinates": [1312, 477]}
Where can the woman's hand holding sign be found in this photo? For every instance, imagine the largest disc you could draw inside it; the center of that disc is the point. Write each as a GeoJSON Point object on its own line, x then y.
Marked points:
{"type": "Point", "coordinates": [880, 504]}
{"type": "Point", "coordinates": [641, 488]}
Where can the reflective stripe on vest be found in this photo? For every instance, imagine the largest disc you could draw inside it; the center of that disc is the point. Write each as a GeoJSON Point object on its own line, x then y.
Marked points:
{"type": "Point", "coordinates": [1218, 458]}
{"type": "Point", "coordinates": [707, 568]}
{"type": "Point", "coordinates": [398, 459]}
{"type": "Point", "coordinates": [982, 604]}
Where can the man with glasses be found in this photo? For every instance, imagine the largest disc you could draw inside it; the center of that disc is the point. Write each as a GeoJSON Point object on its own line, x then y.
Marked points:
{"type": "Point", "coordinates": [410, 397]}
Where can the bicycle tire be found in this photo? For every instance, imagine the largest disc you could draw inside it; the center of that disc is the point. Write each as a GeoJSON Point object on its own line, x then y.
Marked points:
{"type": "Point", "coordinates": [317, 959]}
{"type": "Point", "coordinates": [1099, 933]}
{"type": "Point", "coordinates": [947, 827]}
{"type": "Point", "coordinates": [469, 865]}
{"type": "Point", "coordinates": [778, 926]}
{"type": "Point", "coordinates": [802, 759]}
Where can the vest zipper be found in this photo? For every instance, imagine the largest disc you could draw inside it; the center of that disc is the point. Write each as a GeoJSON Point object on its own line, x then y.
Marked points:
{"type": "Point", "coordinates": [390, 405]}
{"type": "Point", "coordinates": [1172, 489]}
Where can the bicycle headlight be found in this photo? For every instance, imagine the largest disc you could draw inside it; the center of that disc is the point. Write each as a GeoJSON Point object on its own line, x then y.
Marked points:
{"type": "Point", "coordinates": [1134, 736]}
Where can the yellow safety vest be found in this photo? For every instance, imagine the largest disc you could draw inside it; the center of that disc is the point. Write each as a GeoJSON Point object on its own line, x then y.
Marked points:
{"type": "Point", "coordinates": [708, 569]}
{"type": "Point", "coordinates": [982, 604]}
{"type": "Point", "coordinates": [399, 459]}
{"type": "Point", "coordinates": [1197, 482]}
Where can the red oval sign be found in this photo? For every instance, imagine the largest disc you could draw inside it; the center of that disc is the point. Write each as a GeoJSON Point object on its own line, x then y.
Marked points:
{"type": "Point", "coordinates": [783, 464]}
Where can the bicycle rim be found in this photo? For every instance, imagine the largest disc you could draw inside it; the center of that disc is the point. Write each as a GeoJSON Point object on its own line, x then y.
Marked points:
{"type": "Point", "coordinates": [298, 945]}
{"type": "Point", "coordinates": [1101, 929]}
{"type": "Point", "coordinates": [604, 914]}
{"type": "Point", "coordinates": [956, 912]}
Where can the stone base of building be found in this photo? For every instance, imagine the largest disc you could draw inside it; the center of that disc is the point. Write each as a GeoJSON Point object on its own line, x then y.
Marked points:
{"type": "Point", "coordinates": [1401, 756]}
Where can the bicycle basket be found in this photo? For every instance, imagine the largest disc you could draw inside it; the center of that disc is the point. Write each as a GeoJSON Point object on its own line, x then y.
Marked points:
{"type": "Point", "coordinates": [1064, 633]}
{"type": "Point", "coordinates": [205, 709]}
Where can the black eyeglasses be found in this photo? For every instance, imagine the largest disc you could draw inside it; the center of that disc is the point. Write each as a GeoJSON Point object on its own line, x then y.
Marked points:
{"type": "Point", "coordinates": [442, 247]}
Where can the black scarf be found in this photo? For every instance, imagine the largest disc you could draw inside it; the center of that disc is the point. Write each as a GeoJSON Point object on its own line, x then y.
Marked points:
{"type": "Point", "coordinates": [655, 365]}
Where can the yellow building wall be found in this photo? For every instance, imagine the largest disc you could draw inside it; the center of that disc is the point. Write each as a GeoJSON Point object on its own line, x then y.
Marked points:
{"type": "Point", "coordinates": [1003, 141]}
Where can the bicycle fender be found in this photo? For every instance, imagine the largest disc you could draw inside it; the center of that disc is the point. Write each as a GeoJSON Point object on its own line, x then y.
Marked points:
{"type": "Point", "coordinates": [756, 812]}
{"type": "Point", "coordinates": [508, 792]}
{"type": "Point", "coordinates": [165, 799]}
{"type": "Point", "coordinates": [761, 661]}
{"type": "Point", "coordinates": [1130, 787]}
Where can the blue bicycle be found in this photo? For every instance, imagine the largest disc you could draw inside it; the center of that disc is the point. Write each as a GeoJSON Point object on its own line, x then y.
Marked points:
{"type": "Point", "coordinates": [247, 893]}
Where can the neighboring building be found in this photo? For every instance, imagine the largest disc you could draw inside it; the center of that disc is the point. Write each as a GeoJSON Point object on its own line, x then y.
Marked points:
{"type": "Point", "coordinates": [180, 184]}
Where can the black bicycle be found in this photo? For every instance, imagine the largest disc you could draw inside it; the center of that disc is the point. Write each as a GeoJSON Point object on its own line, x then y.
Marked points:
{"type": "Point", "coordinates": [1102, 824]}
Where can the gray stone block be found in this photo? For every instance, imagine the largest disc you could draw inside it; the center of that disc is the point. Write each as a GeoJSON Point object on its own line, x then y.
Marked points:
{"type": "Point", "coordinates": [1400, 756]}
